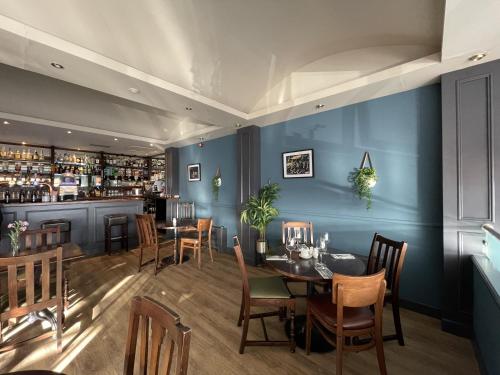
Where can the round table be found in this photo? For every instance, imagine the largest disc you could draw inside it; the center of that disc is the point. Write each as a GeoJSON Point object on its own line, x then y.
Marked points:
{"type": "Point", "coordinates": [178, 230]}
{"type": "Point", "coordinates": [303, 270]}
{"type": "Point", "coordinates": [34, 372]}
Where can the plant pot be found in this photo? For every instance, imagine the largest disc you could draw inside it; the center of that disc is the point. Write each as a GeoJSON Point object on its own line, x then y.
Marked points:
{"type": "Point", "coordinates": [261, 247]}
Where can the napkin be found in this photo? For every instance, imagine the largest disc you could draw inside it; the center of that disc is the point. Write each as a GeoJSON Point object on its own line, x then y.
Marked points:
{"type": "Point", "coordinates": [277, 257]}
{"type": "Point", "coordinates": [343, 256]}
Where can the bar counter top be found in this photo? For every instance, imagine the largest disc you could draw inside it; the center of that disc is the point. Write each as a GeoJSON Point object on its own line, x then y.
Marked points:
{"type": "Point", "coordinates": [86, 217]}
{"type": "Point", "coordinates": [79, 201]}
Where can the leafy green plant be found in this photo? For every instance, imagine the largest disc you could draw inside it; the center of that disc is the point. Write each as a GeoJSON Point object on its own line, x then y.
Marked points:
{"type": "Point", "coordinates": [363, 180]}
{"type": "Point", "coordinates": [216, 184]}
{"type": "Point", "coordinates": [258, 212]}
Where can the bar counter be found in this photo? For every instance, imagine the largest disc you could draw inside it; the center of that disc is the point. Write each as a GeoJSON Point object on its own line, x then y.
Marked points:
{"type": "Point", "coordinates": [87, 219]}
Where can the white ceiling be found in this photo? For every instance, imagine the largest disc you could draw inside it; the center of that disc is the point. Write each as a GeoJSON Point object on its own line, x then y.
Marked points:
{"type": "Point", "coordinates": [231, 61]}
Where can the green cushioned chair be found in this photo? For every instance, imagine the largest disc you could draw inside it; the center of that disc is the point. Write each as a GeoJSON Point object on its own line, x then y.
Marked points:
{"type": "Point", "coordinates": [266, 291]}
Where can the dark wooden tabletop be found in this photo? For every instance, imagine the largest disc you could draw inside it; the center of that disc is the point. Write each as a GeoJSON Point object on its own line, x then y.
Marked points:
{"type": "Point", "coordinates": [33, 372]}
{"type": "Point", "coordinates": [303, 269]}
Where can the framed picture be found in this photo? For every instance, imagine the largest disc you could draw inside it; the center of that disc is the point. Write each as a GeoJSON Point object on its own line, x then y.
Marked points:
{"type": "Point", "coordinates": [194, 172]}
{"type": "Point", "coordinates": [298, 164]}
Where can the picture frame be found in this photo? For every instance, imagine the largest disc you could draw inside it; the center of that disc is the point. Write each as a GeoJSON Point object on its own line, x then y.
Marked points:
{"type": "Point", "coordinates": [298, 164]}
{"type": "Point", "coordinates": [194, 172]}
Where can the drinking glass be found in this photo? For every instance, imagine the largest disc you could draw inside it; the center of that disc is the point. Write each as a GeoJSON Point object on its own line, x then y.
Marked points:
{"type": "Point", "coordinates": [322, 249]}
{"type": "Point", "coordinates": [290, 246]}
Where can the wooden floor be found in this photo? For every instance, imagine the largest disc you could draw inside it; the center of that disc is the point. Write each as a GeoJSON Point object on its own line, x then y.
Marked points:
{"type": "Point", "coordinates": [208, 301]}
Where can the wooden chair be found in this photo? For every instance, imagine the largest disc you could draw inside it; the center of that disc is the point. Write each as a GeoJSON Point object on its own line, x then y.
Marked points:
{"type": "Point", "coordinates": [266, 291]}
{"type": "Point", "coordinates": [204, 226]}
{"type": "Point", "coordinates": [164, 323]}
{"type": "Point", "coordinates": [301, 227]}
{"type": "Point", "coordinates": [38, 239]}
{"type": "Point", "coordinates": [389, 254]}
{"type": "Point", "coordinates": [22, 299]}
{"type": "Point", "coordinates": [348, 313]}
{"type": "Point", "coordinates": [148, 239]}
{"type": "Point", "coordinates": [46, 239]}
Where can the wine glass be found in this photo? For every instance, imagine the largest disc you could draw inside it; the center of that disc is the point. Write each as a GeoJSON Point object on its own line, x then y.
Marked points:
{"type": "Point", "coordinates": [322, 249]}
{"type": "Point", "coordinates": [290, 246]}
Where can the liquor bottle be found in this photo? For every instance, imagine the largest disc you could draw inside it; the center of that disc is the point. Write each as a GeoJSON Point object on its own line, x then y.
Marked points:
{"type": "Point", "coordinates": [21, 197]}
{"type": "Point", "coordinates": [35, 156]}
{"type": "Point", "coordinates": [28, 154]}
{"type": "Point", "coordinates": [33, 197]}
{"type": "Point", "coordinates": [18, 154]}
{"type": "Point", "coordinates": [42, 157]}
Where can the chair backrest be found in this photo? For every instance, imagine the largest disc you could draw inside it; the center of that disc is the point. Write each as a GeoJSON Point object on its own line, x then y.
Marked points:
{"type": "Point", "coordinates": [37, 239]}
{"type": "Point", "coordinates": [146, 230]}
{"type": "Point", "coordinates": [21, 276]}
{"type": "Point", "coordinates": [300, 228]}
{"type": "Point", "coordinates": [388, 254]}
{"type": "Point", "coordinates": [242, 265]}
{"type": "Point", "coordinates": [145, 313]}
{"type": "Point", "coordinates": [204, 226]}
{"type": "Point", "coordinates": [358, 291]}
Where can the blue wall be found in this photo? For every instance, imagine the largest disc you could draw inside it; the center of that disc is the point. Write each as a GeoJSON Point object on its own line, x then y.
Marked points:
{"type": "Point", "coordinates": [218, 153]}
{"type": "Point", "coordinates": [402, 132]}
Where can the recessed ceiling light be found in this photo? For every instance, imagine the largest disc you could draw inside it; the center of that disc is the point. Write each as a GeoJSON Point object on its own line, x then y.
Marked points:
{"type": "Point", "coordinates": [23, 143]}
{"type": "Point", "coordinates": [478, 56]}
{"type": "Point", "coordinates": [151, 145]}
{"type": "Point", "coordinates": [56, 65]}
{"type": "Point", "coordinates": [69, 132]}
{"type": "Point", "coordinates": [319, 106]}
{"type": "Point", "coordinates": [115, 139]}
{"type": "Point", "coordinates": [134, 90]}
{"type": "Point", "coordinates": [5, 122]}
{"type": "Point", "coordinates": [237, 125]}
{"type": "Point", "coordinates": [189, 108]}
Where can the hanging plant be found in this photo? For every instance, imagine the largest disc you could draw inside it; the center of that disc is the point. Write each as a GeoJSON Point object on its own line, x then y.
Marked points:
{"type": "Point", "coordinates": [363, 179]}
{"type": "Point", "coordinates": [216, 184]}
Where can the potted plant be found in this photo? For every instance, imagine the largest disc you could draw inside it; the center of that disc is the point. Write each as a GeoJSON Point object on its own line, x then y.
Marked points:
{"type": "Point", "coordinates": [216, 184]}
{"type": "Point", "coordinates": [363, 180]}
{"type": "Point", "coordinates": [258, 212]}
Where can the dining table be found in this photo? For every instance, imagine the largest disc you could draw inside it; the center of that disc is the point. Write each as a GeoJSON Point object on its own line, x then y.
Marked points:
{"type": "Point", "coordinates": [71, 252]}
{"type": "Point", "coordinates": [305, 270]}
{"type": "Point", "coordinates": [178, 231]}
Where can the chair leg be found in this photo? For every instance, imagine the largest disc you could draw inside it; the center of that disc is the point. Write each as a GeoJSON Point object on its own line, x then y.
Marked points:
{"type": "Point", "coordinates": [292, 329]}
{"type": "Point", "coordinates": [59, 325]}
{"type": "Point", "coordinates": [199, 255]}
{"type": "Point", "coordinates": [397, 322]}
{"type": "Point", "coordinates": [379, 344]}
{"type": "Point", "coordinates": [245, 329]}
{"type": "Point", "coordinates": [308, 331]}
{"type": "Point", "coordinates": [210, 250]}
{"type": "Point", "coordinates": [242, 308]}
{"type": "Point", "coordinates": [140, 259]}
{"type": "Point", "coordinates": [339, 348]}
{"type": "Point", "coordinates": [181, 254]}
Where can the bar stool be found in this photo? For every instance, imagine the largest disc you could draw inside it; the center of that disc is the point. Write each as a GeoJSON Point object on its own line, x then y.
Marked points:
{"type": "Point", "coordinates": [64, 226]}
{"type": "Point", "coordinates": [115, 220]}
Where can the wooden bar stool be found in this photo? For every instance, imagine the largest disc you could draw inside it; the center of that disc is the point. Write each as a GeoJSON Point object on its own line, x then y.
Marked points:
{"type": "Point", "coordinates": [111, 221]}
{"type": "Point", "coordinates": [191, 244]}
{"type": "Point", "coordinates": [64, 226]}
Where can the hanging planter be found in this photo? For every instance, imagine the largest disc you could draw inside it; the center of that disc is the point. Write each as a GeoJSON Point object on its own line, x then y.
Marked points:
{"type": "Point", "coordinates": [216, 184]}
{"type": "Point", "coordinates": [363, 180]}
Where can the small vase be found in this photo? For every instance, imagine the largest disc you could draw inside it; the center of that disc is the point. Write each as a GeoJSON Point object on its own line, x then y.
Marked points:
{"type": "Point", "coordinates": [15, 248]}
